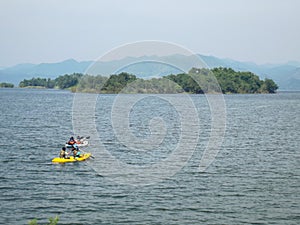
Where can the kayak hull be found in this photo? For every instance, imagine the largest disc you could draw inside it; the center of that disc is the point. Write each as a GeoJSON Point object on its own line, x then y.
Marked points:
{"type": "Point", "coordinates": [72, 159]}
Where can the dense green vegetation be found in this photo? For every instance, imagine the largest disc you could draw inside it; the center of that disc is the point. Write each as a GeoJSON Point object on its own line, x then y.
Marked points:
{"type": "Point", "coordinates": [67, 81]}
{"type": "Point", "coordinates": [37, 82]}
{"type": "Point", "coordinates": [242, 82]}
{"type": "Point", "coordinates": [61, 82]}
{"type": "Point", "coordinates": [6, 85]}
{"type": "Point", "coordinates": [197, 81]}
{"type": "Point", "coordinates": [116, 83]}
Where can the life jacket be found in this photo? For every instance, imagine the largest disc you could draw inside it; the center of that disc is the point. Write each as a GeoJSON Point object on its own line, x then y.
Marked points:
{"type": "Point", "coordinates": [76, 153]}
{"type": "Point", "coordinates": [71, 142]}
{"type": "Point", "coordinates": [62, 154]}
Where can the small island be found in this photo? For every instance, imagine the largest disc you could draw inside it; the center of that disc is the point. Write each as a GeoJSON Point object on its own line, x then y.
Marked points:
{"type": "Point", "coordinates": [196, 81]}
{"type": "Point", "coordinates": [6, 85]}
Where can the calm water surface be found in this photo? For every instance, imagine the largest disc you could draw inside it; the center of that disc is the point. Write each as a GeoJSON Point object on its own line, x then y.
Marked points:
{"type": "Point", "coordinates": [255, 179]}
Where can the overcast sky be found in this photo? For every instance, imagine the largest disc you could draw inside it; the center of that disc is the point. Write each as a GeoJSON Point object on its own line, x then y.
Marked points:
{"type": "Point", "coordinates": [261, 31]}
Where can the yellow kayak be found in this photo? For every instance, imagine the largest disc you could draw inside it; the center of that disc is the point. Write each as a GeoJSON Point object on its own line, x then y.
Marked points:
{"type": "Point", "coordinates": [72, 159]}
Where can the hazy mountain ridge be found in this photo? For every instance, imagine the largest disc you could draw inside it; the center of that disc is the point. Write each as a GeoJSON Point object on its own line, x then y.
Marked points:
{"type": "Point", "coordinates": [287, 75]}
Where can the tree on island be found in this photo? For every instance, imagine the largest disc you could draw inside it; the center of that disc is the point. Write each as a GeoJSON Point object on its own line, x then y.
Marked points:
{"type": "Point", "coordinates": [61, 82]}
{"type": "Point", "coordinates": [6, 85]}
{"type": "Point", "coordinates": [37, 82]}
{"type": "Point", "coordinates": [269, 86]}
{"type": "Point", "coordinates": [67, 80]}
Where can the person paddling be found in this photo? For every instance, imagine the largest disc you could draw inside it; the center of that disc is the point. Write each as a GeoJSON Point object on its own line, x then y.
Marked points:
{"type": "Point", "coordinates": [63, 153]}
{"type": "Point", "coordinates": [76, 152]}
{"type": "Point", "coordinates": [71, 141]}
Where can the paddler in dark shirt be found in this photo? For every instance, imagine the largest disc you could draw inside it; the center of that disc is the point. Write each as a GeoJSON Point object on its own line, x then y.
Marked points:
{"type": "Point", "coordinates": [71, 141]}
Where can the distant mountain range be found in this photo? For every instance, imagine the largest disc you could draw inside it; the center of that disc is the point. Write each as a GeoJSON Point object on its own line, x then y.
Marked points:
{"type": "Point", "coordinates": [287, 75]}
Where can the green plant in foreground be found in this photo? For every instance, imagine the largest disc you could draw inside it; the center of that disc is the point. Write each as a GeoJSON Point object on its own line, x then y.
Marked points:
{"type": "Point", "coordinates": [52, 221]}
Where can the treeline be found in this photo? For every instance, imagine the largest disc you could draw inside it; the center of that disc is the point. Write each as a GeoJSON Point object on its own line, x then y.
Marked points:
{"type": "Point", "coordinates": [242, 82]}
{"type": "Point", "coordinates": [6, 85]}
{"type": "Point", "coordinates": [61, 82]}
{"type": "Point", "coordinates": [197, 81]}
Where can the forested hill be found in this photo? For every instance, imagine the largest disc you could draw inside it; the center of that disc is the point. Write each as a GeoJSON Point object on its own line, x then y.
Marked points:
{"type": "Point", "coordinates": [197, 81]}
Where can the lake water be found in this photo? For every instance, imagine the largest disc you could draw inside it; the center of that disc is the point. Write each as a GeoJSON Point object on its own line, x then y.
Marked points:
{"type": "Point", "coordinates": [254, 179]}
